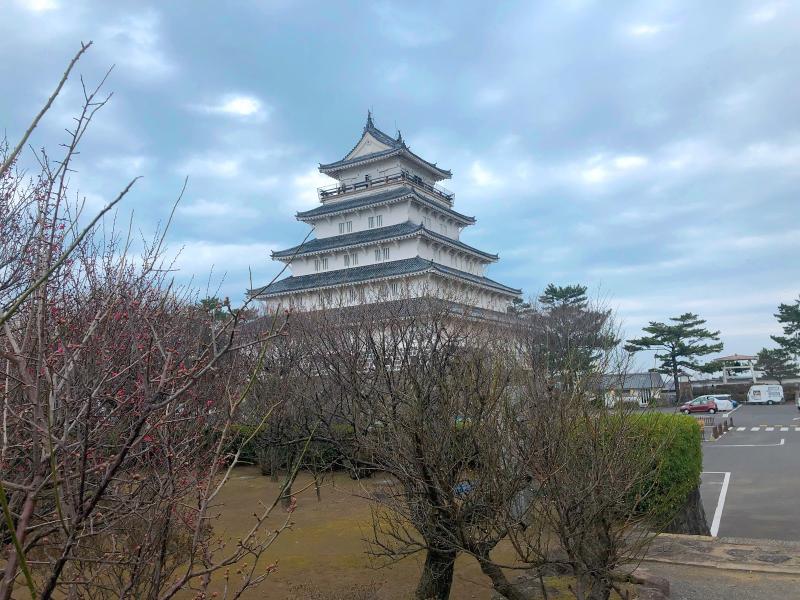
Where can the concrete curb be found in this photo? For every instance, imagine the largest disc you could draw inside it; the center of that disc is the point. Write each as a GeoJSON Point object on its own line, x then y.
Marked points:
{"type": "Point", "coordinates": [689, 538]}
{"type": "Point", "coordinates": [728, 566]}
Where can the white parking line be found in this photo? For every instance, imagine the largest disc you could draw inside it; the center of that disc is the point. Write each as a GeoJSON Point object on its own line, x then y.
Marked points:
{"type": "Point", "coordinates": [784, 429]}
{"type": "Point", "coordinates": [755, 429]}
{"type": "Point", "coordinates": [770, 429]}
{"type": "Point", "coordinates": [797, 428]}
{"type": "Point", "coordinates": [720, 505]}
{"type": "Point", "coordinates": [741, 428]}
{"type": "Point", "coordinates": [781, 443]}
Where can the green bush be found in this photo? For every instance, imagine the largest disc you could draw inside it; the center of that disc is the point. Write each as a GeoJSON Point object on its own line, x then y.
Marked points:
{"type": "Point", "coordinates": [675, 442]}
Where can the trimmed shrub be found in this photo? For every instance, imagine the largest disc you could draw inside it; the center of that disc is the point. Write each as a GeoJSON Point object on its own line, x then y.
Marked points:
{"type": "Point", "coordinates": [675, 441]}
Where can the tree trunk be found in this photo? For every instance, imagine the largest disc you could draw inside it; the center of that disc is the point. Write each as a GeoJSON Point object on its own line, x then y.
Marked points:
{"type": "Point", "coordinates": [691, 518]}
{"type": "Point", "coordinates": [274, 464]}
{"type": "Point", "coordinates": [677, 383]}
{"type": "Point", "coordinates": [499, 581]}
{"type": "Point", "coordinates": [286, 491]}
{"type": "Point", "coordinates": [262, 455]}
{"type": "Point", "coordinates": [437, 576]}
{"type": "Point", "coordinates": [591, 588]}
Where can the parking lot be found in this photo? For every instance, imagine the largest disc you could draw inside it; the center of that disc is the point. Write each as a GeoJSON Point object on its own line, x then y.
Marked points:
{"type": "Point", "coordinates": [751, 475]}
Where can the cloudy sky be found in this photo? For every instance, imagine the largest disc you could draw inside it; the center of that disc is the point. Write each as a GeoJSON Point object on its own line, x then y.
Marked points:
{"type": "Point", "coordinates": [650, 150]}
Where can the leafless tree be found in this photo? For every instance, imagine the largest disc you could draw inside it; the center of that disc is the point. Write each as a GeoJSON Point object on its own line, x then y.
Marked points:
{"type": "Point", "coordinates": [591, 468]}
{"type": "Point", "coordinates": [119, 397]}
{"type": "Point", "coordinates": [481, 439]}
{"type": "Point", "coordinates": [422, 392]}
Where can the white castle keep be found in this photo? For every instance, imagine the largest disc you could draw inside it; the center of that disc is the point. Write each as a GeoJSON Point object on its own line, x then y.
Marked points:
{"type": "Point", "coordinates": [386, 230]}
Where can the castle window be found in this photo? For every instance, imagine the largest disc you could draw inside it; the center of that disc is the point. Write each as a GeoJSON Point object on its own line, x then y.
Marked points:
{"type": "Point", "coordinates": [354, 258]}
{"type": "Point", "coordinates": [371, 222]}
{"type": "Point", "coordinates": [385, 253]}
{"type": "Point", "coordinates": [346, 260]}
{"type": "Point", "coordinates": [379, 221]}
{"type": "Point", "coordinates": [394, 287]}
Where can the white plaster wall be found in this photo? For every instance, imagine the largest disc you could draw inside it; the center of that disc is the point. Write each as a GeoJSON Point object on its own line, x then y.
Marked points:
{"type": "Point", "coordinates": [451, 258]}
{"type": "Point", "coordinates": [376, 170]}
{"type": "Point", "coordinates": [367, 145]}
{"type": "Point", "coordinates": [393, 214]}
{"type": "Point", "coordinates": [379, 168]}
{"type": "Point", "coordinates": [436, 221]}
{"type": "Point", "coordinates": [398, 250]}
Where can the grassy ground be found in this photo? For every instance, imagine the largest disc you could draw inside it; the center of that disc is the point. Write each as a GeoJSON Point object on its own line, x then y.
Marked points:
{"type": "Point", "coordinates": [326, 548]}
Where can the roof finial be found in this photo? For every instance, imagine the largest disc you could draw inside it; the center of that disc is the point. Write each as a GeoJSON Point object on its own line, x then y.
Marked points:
{"type": "Point", "coordinates": [400, 137]}
{"type": "Point", "coordinates": [369, 124]}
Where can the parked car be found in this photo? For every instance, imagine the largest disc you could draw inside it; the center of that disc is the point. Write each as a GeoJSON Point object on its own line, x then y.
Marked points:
{"type": "Point", "coordinates": [765, 394]}
{"type": "Point", "coordinates": [724, 402]}
{"type": "Point", "coordinates": [705, 404]}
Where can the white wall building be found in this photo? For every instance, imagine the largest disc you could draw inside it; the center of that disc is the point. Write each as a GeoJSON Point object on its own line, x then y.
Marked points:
{"type": "Point", "coordinates": [385, 230]}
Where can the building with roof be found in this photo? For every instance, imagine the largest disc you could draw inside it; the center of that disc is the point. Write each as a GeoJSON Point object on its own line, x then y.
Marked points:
{"type": "Point", "coordinates": [642, 388]}
{"type": "Point", "coordinates": [385, 230]}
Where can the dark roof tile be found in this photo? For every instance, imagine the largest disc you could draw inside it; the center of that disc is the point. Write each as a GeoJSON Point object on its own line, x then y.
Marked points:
{"type": "Point", "coordinates": [355, 275]}
{"type": "Point", "coordinates": [374, 235]}
{"type": "Point", "coordinates": [381, 197]}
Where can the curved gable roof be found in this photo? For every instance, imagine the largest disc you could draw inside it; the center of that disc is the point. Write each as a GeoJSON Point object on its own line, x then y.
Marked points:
{"type": "Point", "coordinates": [395, 146]}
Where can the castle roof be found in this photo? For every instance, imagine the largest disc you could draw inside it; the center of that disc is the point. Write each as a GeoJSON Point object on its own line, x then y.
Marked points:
{"type": "Point", "coordinates": [379, 234]}
{"type": "Point", "coordinates": [387, 270]}
{"type": "Point", "coordinates": [381, 198]}
{"type": "Point", "coordinates": [393, 147]}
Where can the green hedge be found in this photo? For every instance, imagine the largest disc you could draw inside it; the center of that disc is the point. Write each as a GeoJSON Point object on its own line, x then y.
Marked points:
{"type": "Point", "coordinates": [676, 444]}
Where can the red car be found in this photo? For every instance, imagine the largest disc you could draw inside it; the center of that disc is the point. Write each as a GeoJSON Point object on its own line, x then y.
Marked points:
{"type": "Point", "coordinates": [704, 404]}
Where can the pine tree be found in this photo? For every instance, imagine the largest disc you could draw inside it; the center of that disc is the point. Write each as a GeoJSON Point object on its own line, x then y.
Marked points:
{"type": "Point", "coordinates": [575, 333]}
{"type": "Point", "coordinates": [789, 316]}
{"type": "Point", "coordinates": [678, 345]}
{"type": "Point", "coordinates": [568, 295]}
{"type": "Point", "coordinates": [776, 363]}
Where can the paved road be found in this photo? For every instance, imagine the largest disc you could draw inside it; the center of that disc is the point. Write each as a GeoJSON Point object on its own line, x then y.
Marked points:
{"type": "Point", "coordinates": [761, 454]}
{"type": "Point", "coordinates": [693, 583]}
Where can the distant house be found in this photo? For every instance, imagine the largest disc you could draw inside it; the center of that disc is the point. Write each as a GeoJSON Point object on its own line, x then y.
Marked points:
{"type": "Point", "coordinates": [641, 388]}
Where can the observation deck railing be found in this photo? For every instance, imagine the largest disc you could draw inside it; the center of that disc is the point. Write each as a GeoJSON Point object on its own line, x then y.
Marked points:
{"type": "Point", "coordinates": [325, 193]}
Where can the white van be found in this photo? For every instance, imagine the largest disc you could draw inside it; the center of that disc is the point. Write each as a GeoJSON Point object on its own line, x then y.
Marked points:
{"type": "Point", "coordinates": [765, 394]}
